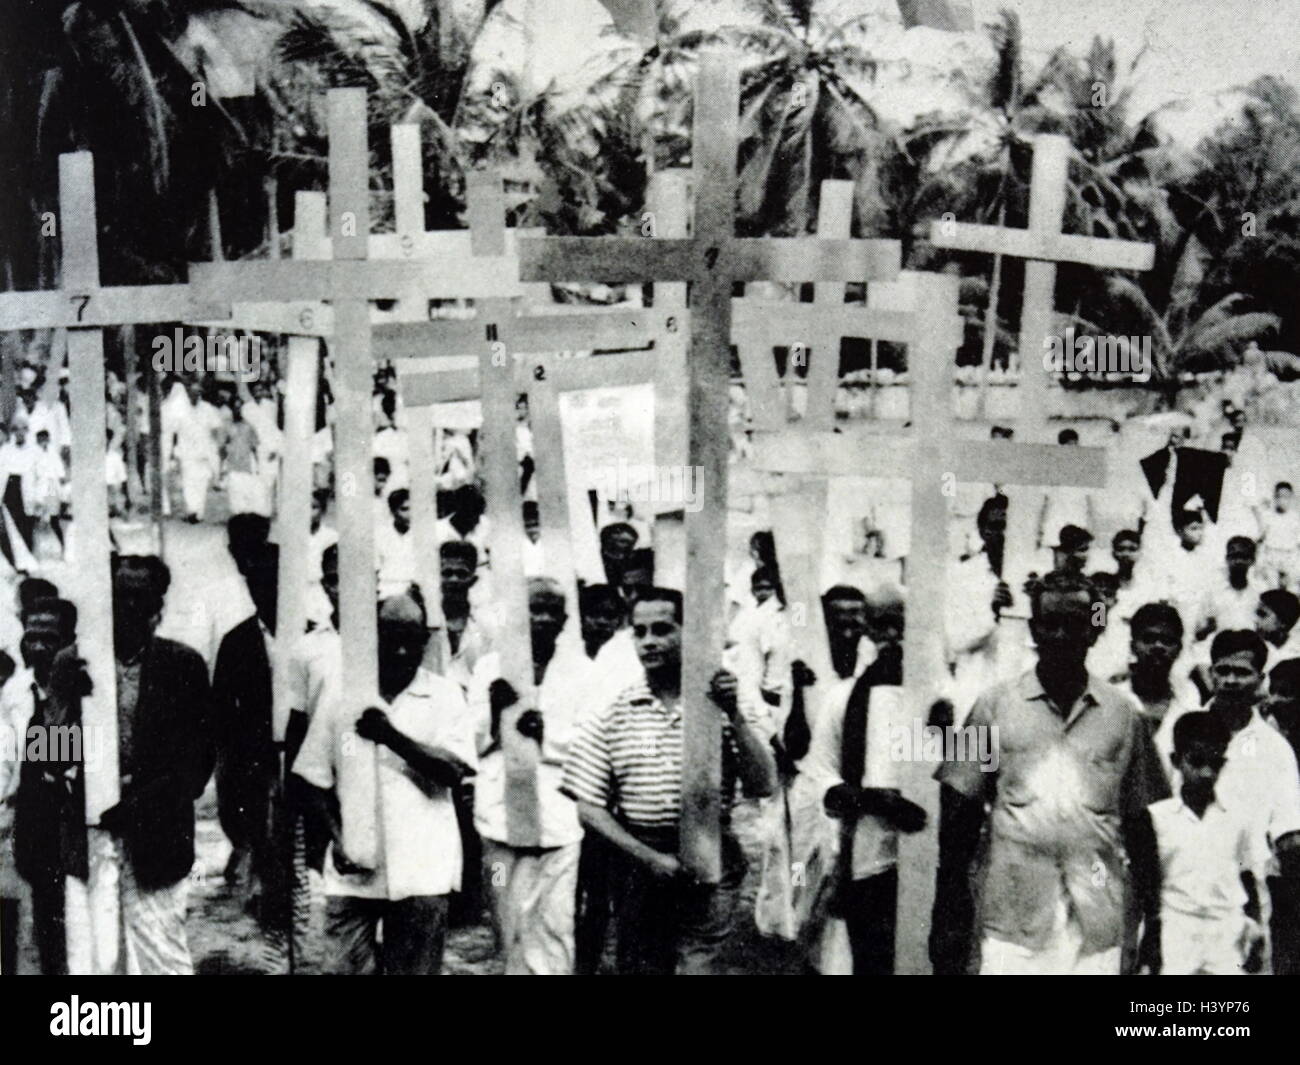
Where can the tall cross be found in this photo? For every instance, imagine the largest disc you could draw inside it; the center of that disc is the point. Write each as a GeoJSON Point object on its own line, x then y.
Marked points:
{"type": "Point", "coordinates": [85, 307]}
{"type": "Point", "coordinates": [349, 282]}
{"type": "Point", "coordinates": [711, 260]}
{"type": "Point", "coordinates": [1042, 245]}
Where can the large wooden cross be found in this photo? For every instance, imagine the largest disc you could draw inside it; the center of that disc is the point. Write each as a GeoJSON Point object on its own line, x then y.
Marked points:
{"type": "Point", "coordinates": [711, 260]}
{"type": "Point", "coordinates": [349, 282]}
{"type": "Point", "coordinates": [85, 307]}
{"type": "Point", "coordinates": [1042, 245]}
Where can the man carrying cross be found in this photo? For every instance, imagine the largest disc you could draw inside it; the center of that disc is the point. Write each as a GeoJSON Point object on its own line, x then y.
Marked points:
{"type": "Point", "coordinates": [395, 847]}
{"type": "Point", "coordinates": [629, 756]}
{"type": "Point", "coordinates": [533, 888]}
{"type": "Point", "coordinates": [1076, 770]}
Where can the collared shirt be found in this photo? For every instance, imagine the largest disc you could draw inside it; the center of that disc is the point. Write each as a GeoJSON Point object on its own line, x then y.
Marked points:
{"type": "Point", "coordinates": [628, 758]}
{"type": "Point", "coordinates": [415, 831]}
{"type": "Point", "coordinates": [474, 643]}
{"type": "Point", "coordinates": [1064, 782]}
{"type": "Point", "coordinates": [1233, 608]}
{"type": "Point", "coordinates": [315, 669]}
{"type": "Point", "coordinates": [1260, 779]}
{"type": "Point", "coordinates": [1183, 697]}
{"type": "Point", "coordinates": [562, 700]}
{"type": "Point", "coordinates": [395, 557]}
{"type": "Point", "coordinates": [1202, 858]}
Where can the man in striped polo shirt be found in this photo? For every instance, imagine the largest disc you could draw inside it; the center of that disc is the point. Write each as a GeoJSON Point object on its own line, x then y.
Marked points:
{"type": "Point", "coordinates": [625, 771]}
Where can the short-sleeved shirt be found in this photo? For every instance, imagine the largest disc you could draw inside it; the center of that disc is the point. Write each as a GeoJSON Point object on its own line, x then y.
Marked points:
{"type": "Point", "coordinates": [1202, 858]}
{"type": "Point", "coordinates": [416, 830]}
{"type": "Point", "coordinates": [1259, 779]}
{"type": "Point", "coordinates": [628, 758]}
{"type": "Point", "coordinates": [1064, 782]}
{"type": "Point", "coordinates": [563, 700]}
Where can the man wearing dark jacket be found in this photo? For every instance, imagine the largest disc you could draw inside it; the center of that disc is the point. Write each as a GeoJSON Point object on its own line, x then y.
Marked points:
{"type": "Point", "coordinates": [165, 756]}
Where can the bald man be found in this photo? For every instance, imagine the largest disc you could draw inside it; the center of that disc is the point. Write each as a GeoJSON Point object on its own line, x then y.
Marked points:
{"type": "Point", "coordinates": [395, 852]}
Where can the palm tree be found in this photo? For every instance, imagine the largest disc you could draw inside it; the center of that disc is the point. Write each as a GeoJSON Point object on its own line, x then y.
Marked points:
{"type": "Point", "coordinates": [804, 116]}
{"type": "Point", "coordinates": [1008, 111]}
{"type": "Point", "coordinates": [1185, 340]}
{"type": "Point", "coordinates": [1241, 199]}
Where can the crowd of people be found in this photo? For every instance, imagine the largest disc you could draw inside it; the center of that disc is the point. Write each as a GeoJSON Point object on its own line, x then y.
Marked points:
{"type": "Point", "coordinates": [1142, 814]}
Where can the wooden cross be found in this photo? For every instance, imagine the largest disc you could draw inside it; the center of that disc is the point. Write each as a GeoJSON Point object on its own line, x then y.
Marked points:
{"type": "Point", "coordinates": [712, 260]}
{"type": "Point", "coordinates": [1042, 245]}
{"type": "Point", "coordinates": [85, 307]}
{"type": "Point", "coordinates": [348, 281]}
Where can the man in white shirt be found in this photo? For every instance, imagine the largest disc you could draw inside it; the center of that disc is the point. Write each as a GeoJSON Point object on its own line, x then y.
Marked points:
{"type": "Point", "coordinates": [1275, 620]}
{"type": "Point", "coordinates": [1233, 595]}
{"type": "Point", "coordinates": [1182, 572]}
{"type": "Point", "coordinates": [196, 451]}
{"type": "Point", "coordinates": [395, 853]}
{"type": "Point", "coordinates": [1260, 778]}
{"type": "Point", "coordinates": [395, 547]}
{"type": "Point", "coordinates": [533, 888]}
{"type": "Point", "coordinates": [1280, 538]}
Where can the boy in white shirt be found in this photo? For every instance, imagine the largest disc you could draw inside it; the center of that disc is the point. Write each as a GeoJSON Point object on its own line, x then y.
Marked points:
{"type": "Point", "coordinates": [1280, 539]}
{"type": "Point", "coordinates": [1201, 898]}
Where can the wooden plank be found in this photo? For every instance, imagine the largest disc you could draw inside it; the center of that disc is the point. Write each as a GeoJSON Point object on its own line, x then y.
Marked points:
{"type": "Point", "coordinates": [1101, 252]}
{"type": "Point", "coordinates": [131, 429]}
{"type": "Point", "coordinates": [708, 447]}
{"type": "Point", "coordinates": [752, 320]}
{"type": "Point", "coordinates": [834, 221]}
{"type": "Point", "coordinates": [930, 368]}
{"type": "Point", "coordinates": [424, 527]}
{"type": "Point", "coordinates": [556, 540]}
{"type": "Point", "coordinates": [408, 179]}
{"type": "Point", "coordinates": [354, 431]}
{"type": "Point", "coordinates": [89, 306]}
{"type": "Point", "coordinates": [668, 198]}
{"type": "Point", "coordinates": [624, 260]}
{"type": "Point", "coordinates": [499, 461]}
{"type": "Point", "coordinates": [974, 461]}
{"type": "Point", "coordinates": [249, 282]}
{"type": "Point", "coordinates": [93, 578]}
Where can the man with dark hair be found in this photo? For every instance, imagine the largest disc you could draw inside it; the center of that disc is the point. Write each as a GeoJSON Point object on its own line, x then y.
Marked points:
{"type": "Point", "coordinates": [1275, 621]}
{"type": "Point", "coordinates": [1280, 538]}
{"type": "Point", "coordinates": [616, 543]}
{"type": "Point", "coordinates": [601, 615]}
{"type": "Point", "coordinates": [1075, 762]}
{"type": "Point", "coordinates": [248, 760]}
{"type": "Point", "coordinates": [395, 846]}
{"type": "Point", "coordinates": [467, 639]}
{"type": "Point", "coordinates": [871, 813]}
{"type": "Point", "coordinates": [395, 547]}
{"type": "Point", "coordinates": [1260, 777]}
{"type": "Point", "coordinates": [1070, 552]}
{"type": "Point", "coordinates": [1233, 593]}
{"type": "Point", "coordinates": [165, 756]}
{"type": "Point", "coordinates": [1155, 642]}
{"type": "Point", "coordinates": [1197, 886]}
{"type": "Point", "coordinates": [1283, 710]}
{"type": "Point", "coordinates": [625, 771]}
{"type": "Point", "coordinates": [533, 889]}
{"type": "Point", "coordinates": [45, 821]}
